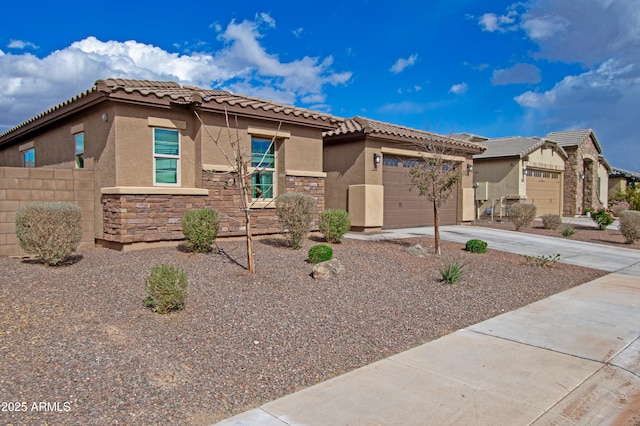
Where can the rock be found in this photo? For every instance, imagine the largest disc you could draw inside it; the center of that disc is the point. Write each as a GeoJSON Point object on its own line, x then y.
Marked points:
{"type": "Point", "coordinates": [327, 270]}
{"type": "Point", "coordinates": [417, 250]}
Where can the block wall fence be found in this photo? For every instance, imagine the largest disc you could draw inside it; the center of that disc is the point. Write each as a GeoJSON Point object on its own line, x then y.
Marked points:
{"type": "Point", "coordinates": [19, 186]}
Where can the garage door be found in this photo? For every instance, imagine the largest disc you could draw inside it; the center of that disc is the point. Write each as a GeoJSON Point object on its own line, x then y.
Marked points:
{"type": "Point", "coordinates": [404, 207]}
{"type": "Point", "coordinates": [543, 190]}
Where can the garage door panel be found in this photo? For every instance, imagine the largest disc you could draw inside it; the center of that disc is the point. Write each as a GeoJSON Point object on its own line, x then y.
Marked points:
{"type": "Point", "coordinates": [544, 191]}
{"type": "Point", "coordinates": [404, 206]}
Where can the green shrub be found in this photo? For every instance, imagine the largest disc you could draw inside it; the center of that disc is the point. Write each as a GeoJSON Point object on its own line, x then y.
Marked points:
{"type": "Point", "coordinates": [452, 272]}
{"type": "Point", "coordinates": [295, 212]}
{"type": "Point", "coordinates": [551, 221]}
{"type": "Point", "coordinates": [200, 229]}
{"type": "Point", "coordinates": [476, 246]}
{"type": "Point", "coordinates": [334, 223]}
{"type": "Point", "coordinates": [630, 225]}
{"type": "Point", "coordinates": [522, 215]}
{"type": "Point", "coordinates": [602, 218]}
{"type": "Point", "coordinates": [542, 261]}
{"type": "Point", "coordinates": [320, 253]}
{"type": "Point", "coordinates": [51, 231]}
{"type": "Point", "coordinates": [568, 231]}
{"type": "Point", "coordinates": [166, 288]}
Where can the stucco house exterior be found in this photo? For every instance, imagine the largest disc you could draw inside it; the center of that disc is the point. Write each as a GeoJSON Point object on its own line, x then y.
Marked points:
{"type": "Point", "coordinates": [519, 170]}
{"type": "Point", "coordinates": [160, 148]}
{"type": "Point", "coordinates": [586, 171]}
{"type": "Point", "coordinates": [620, 180]}
{"type": "Point", "coordinates": [367, 164]}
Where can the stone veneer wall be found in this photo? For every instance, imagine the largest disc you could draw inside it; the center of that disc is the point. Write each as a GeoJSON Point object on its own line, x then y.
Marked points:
{"type": "Point", "coordinates": [574, 187]}
{"type": "Point", "coordinates": [152, 218]}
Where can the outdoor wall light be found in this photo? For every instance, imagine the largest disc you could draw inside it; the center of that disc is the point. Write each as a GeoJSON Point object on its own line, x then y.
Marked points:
{"type": "Point", "coordinates": [581, 175]}
{"type": "Point", "coordinates": [376, 160]}
{"type": "Point", "coordinates": [105, 116]}
{"type": "Point", "coordinates": [469, 169]}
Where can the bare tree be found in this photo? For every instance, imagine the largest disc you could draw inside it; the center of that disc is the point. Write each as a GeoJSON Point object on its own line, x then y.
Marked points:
{"type": "Point", "coordinates": [239, 162]}
{"type": "Point", "coordinates": [436, 177]}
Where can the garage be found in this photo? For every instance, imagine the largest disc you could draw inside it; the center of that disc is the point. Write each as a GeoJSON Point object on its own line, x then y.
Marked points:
{"type": "Point", "coordinates": [404, 207]}
{"type": "Point", "coordinates": [544, 189]}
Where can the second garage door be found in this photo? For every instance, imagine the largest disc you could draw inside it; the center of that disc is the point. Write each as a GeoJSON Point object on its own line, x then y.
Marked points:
{"type": "Point", "coordinates": [404, 207]}
{"type": "Point", "coordinates": [543, 190]}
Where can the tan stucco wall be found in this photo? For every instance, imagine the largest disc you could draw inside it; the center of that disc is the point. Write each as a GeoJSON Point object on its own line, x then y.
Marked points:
{"type": "Point", "coordinates": [545, 159]}
{"type": "Point", "coordinates": [364, 206]}
{"type": "Point", "coordinates": [615, 185]}
{"type": "Point", "coordinates": [603, 189]}
{"type": "Point", "coordinates": [502, 178]}
{"type": "Point", "coordinates": [344, 165]}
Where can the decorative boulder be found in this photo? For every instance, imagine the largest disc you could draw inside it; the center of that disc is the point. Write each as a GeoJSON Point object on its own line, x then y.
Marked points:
{"type": "Point", "coordinates": [327, 270]}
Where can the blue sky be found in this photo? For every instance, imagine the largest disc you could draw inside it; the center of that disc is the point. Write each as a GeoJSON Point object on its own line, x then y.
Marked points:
{"type": "Point", "coordinates": [498, 68]}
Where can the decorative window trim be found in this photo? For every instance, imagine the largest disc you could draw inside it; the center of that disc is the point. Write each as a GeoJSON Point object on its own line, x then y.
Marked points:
{"type": "Point", "coordinates": [305, 173]}
{"type": "Point", "coordinates": [266, 170]}
{"type": "Point", "coordinates": [268, 133]}
{"type": "Point", "coordinates": [166, 123]}
{"type": "Point", "coordinates": [152, 190]}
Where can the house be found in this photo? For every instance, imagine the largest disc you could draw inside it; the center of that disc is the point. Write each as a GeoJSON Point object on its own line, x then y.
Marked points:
{"type": "Point", "coordinates": [158, 149]}
{"type": "Point", "coordinates": [586, 171]}
{"type": "Point", "coordinates": [367, 166]}
{"type": "Point", "coordinates": [620, 180]}
{"type": "Point", "coordinates": [519, 170]}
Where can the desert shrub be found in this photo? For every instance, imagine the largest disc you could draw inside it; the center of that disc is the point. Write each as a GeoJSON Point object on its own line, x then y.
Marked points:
{"type": "Point", "coordinates": [200, 229]}
{"type": "Point", "coordinates": [476, 246]}
{"type": "Point", "coordinates": [631, 195]}
{"type": "Point", "coordinates": [51, 231]}
{"type": "Point", "coordinates": [630, 225]}
{"type": "Point", "coordinates": [602, 218]}
{"type": "Point", "coordinates": [452, 272]}
{"type": "Point", "coordinates": [521, 215]}
{"type": "Point", "coordinates": [543, 261]}
{"type": "Point", "coordinates": [320, 253]}
{"type": "Point", "coordinates": [618, 207]}
{"type": "Point", "coordinates": [166, 288]}
{"type": "Point", "coordinates": [334, 223]}
{"type": "Point", "coordinates": [551, 221]}
{"type": "Point", "coordinates": [568, 231]}
{"type": "Point", "coordinates": [295, 212]}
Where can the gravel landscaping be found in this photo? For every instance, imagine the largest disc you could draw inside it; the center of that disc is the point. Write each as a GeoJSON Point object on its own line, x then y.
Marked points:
{"type": "Point", "coordinates": [78, 342]}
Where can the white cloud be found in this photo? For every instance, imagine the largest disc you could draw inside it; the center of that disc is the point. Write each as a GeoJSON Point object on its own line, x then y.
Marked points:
{"type": "Point", "coordinates": [30, 85]}
{"type": "Point", "coordinates": [519, 73]}
{"type": "Point", "coordinates": [459, 89]}
{"type": "Point", "coordinates": [401, 64]}
{"type": "Point", "coordinates": [491, 22]}
{"type": "Point", "coordinates": [298, 31]}
{"type": "Point", "coordinates": [20, 44]}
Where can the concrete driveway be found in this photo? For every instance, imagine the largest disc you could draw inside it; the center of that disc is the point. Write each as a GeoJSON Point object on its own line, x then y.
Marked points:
{"type": "Point", "coordinates": [570, 359]}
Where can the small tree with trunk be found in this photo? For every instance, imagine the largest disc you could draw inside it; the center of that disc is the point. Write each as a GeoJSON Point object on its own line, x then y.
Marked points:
{"type": "Point", "coordinates": [436, 177]}
{"type": "Point", "coordinates": [240, 163]}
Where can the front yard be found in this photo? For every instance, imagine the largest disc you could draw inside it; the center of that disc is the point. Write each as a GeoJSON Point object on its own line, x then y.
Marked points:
{"type": "Point", "coordinates": [79, 337]}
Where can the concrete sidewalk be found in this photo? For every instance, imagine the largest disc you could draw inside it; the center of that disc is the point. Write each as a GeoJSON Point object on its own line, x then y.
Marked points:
{"type": "Point", "coordinates": [572, 358]}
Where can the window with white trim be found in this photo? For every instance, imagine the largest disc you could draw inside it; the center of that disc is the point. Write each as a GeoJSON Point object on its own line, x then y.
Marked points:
{"type": "Point", "coordinates": [263, 162]}
{"type": "Point", "coordinates": [166, 157]}
{"type": "Point", "coordinates": [29, 158]}
{"type": "Point", "coordinates": [79, 149]}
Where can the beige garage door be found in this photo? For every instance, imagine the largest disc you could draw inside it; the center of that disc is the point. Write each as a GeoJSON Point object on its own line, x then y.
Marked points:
{"type": "Point", "coordinates": [543, 190]}
{"type": "Point", "coordinates": [404, 207]}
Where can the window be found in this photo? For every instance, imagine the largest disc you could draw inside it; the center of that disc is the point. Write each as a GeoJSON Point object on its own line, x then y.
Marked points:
{"type": "Point", "coordinates": [166, 156]}
{"type": "Point", "coordinates": [264, 163]}
{"type": "Point", "coordinates": [29, 158]}
{"type": "Point", "coordinates": [79, 142]}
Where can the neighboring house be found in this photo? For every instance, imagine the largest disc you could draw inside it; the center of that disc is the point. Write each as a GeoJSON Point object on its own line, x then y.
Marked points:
{"type": "Point", "coordinates": [519, 170]}
{"type": "Point", "coordinates": [620, 180]}
{"type": "Point", "coordinates": [586, 171]}
{"type": "Point", "coordinates": [367, 164]}
{"type": "Point", "coordinates": [151, 147]}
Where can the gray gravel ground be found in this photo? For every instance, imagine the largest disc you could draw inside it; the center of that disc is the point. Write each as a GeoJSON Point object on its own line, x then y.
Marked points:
{"type": "Point", "coordinates": [79, 338]}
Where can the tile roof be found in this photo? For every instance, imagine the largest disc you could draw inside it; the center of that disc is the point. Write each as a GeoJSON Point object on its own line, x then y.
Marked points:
{"type": "Point", "coordinates": [514, 146]}
{"type": "Point", "coordinates": [177, 93]}
{"type": "Point", "coordinates": [367, 126]}
{"type": "Point", "coordinates": [632, 176]}
{"type": "Point", "coordinates": [573, 138]}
